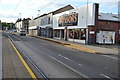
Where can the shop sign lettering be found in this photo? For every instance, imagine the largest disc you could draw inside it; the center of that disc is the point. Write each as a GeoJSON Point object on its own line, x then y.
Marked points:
{"type": "Point", "coordinates": [68, 20]}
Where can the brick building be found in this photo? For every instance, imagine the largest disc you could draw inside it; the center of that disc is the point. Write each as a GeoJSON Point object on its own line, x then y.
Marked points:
{"type": "Point", "coordinates": [91, 26]}
{"type": "Point", "coordinates": [108, 24]}
{"type": "Point", "coordinates": [106, 29]}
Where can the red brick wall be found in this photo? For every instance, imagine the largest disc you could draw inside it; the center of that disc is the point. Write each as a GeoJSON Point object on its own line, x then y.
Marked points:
{"type": "Point", "coordinates": [110, 25]}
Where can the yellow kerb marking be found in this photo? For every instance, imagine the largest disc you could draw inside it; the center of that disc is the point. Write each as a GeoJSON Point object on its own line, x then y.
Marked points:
{"type": "Point", "coordinates": [23, 61]}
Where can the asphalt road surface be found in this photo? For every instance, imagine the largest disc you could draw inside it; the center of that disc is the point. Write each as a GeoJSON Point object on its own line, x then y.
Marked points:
{"type": "Point", "coordinates": [57, 61]}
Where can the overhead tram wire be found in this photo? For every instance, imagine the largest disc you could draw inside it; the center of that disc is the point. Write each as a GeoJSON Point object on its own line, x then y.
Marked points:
{"type": "Point", "coordinates": [16, 7]}
{"type": "Point", "coordinates": [45, 6]}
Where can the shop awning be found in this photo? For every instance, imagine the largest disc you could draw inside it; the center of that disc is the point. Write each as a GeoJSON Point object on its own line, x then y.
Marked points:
{"type": "Point", "coordinates": [33, 27]}
{"type": "Point", "coordinates": [46, 26]}
{"type": "Point", "coordinates": [59, 28]}
{"type": "Point", "coordinates": [74, 27]}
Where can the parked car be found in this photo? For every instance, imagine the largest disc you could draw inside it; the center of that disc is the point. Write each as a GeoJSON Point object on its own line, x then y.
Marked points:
{"type": "Point", "coordinates": [22, 33]}
{"type": "Point", "coordinates": [14, 31]}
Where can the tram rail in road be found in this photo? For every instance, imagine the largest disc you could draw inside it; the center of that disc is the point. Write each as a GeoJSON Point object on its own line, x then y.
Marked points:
{"type": "Point", "coordinates": [31, 72]}
{"type": "Point", "coordinates": [22, 53]}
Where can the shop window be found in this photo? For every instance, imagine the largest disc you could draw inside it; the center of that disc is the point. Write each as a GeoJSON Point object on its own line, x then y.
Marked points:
{"type": "Point", "coordinates": [57, 33]}
{"type": "Point", "coordinates": [83, 34]}
{"type": "Point", "coordinates": [49, 20]}
{"type": "Point", "coordinates": [77, 34]}
{"type": "Point", "coordinates": [71, 33]}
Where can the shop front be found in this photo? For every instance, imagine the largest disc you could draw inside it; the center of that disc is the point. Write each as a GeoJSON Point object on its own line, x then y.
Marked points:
{"type": "Point", "coordinates": [105, 37]}
{"type": "Point", "coordinates": [33, 31]}
{"type": "Point", "coordinates": [75, 24]}
{"type": "Point", "coordinates": [59, 33]}
{"type": "Point", "coordinates": [46, 31]}
{"type": "Point", "coordinates": [77, 35]}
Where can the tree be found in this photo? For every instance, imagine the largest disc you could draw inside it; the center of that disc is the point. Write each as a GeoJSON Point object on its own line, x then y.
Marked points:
{"type": "Point", "coordinates": [9, 25]}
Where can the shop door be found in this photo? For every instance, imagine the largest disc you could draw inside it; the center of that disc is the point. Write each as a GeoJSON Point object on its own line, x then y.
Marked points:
{"type": "Point", "coordinates": [62, 33]}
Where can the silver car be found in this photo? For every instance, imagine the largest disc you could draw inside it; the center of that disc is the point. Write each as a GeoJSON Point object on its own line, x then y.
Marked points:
{"type": "Point", "coordinates": [23, 33]}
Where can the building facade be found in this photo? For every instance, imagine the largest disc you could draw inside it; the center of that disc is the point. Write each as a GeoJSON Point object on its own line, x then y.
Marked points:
{"type": "Point", "coordinates": [25, 24]}
{"type": "Point", "coordinates": [46, 29]}
{"type": "Point", "coordinates": [22, 24]}
{"type": "Point", "coordinates": [108, 29]}
{"type": "Point", "coordinates": [33, 26]}
{"type": "Point", "coordinates": [18, 24]}
{"type": "Point", "coordinates": [43, 24]}
{"type": "Point", "coordinates": [83, 25]}
{"type": "Point", "coordinates": [73, 25]}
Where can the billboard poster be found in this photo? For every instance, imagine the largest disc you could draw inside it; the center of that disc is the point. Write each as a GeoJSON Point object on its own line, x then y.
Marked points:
{"type": "Point", "coordinates": [68, 20]}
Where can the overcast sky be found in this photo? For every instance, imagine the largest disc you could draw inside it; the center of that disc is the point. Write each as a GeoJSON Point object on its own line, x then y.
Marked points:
{"type": "Point", "coordinates": [10, 9]}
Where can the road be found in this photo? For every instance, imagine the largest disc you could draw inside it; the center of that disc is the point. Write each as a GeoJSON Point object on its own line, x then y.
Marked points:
{"type": "Point", "coordinates": [57, 61]}
{"type": "Point", "coordinates": [12, 66]}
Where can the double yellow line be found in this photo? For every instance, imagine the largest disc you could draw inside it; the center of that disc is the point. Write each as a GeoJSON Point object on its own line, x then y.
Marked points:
{"type": "Point", "coordinates": [23, 61]}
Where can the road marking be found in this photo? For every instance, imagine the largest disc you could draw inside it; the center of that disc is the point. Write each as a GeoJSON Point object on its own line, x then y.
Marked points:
{"type": "Point", "coordinates": [23, 61]}
{"type": "Point", "coordinates": [80, 64]}
{"type": "Point", "coordinates": [69, 67]}
{"type": "Point", "coordinates": [110, 57]}
{"type": "Point", "coordinates": [106, 76]}
{"type": "Point", "coordinates": [63, 57]}
{"type": "Point", "coordinates": [16, 37]}
{"type": "Point", "coordinates": [70, 60]}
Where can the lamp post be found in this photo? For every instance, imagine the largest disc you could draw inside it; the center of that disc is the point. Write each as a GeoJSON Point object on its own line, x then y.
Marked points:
{"type": "Point", "coordinates": [20, 20]}
{"type": "Point", "coordinates": [38, 12]}
{"type": "Point", "coordinates": [87, 34]}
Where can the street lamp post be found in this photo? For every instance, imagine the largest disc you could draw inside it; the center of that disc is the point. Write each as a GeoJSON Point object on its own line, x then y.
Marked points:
{"type": "Point", "coordinates": [38, 12]}
{"type": "Point", "coordinates": [20, 20]}
{"type": "Point", "coordinates": [87, 34]}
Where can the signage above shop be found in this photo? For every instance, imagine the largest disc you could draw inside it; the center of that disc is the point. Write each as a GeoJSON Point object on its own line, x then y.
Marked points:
{"type": "Point", "coordinates": [92, 32]}
{"type": "Point", "coordinates": [68, 20]}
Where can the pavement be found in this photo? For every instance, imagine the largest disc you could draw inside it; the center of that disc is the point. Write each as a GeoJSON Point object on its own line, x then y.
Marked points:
{"type": "Point", "coordinates": [0, 55]}
{"type": "Point", "coordinates": [97, 49]}
{"type": "Point", "coordinates": [12, 65]}
{"type": "Point", "coordinates": [59, 61]}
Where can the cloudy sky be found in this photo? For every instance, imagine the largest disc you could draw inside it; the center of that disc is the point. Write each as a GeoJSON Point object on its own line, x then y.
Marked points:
{"type": "Point", "coordinates": [10, 9]}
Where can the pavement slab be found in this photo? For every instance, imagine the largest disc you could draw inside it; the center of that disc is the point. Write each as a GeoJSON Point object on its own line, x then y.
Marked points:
{"type": "Point", "coordinates": [12, 65]}
{"type": "Point", "coordinates": [0, 55]}
{"type": "Point", "coordinates": [83, 47]}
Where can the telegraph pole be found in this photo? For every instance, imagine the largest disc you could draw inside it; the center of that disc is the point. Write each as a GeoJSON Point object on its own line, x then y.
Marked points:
{"type": "Point", "coordinates": [20, 20]}
{"type": "Point", "coordinates": [87, 25]}
{"type": "Point", "coordinates": [38, 12]}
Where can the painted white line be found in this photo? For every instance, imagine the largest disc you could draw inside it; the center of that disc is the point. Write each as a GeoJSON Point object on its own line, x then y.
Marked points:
{"type": "Point", "coordinates": [80, 64]}
{"type": "Point", "coordinates": [16, 37]}
{"type": "Point", "coordinates": [111, 57]}
{"type": "Point", "coordinates": [106, 76]}
{"type": "Point", "coordinates": [63, 57]}
{"type": "Point", "coordinates": [70, 60]}
{"type": "Point", "coordinates": [79, 73]}
{"type": "Point", "coordinates": [77, 63]}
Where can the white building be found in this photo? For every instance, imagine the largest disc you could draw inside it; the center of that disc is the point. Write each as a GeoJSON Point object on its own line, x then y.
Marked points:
{"type": "Point", "coordinates": [73, 25]}
{"type": "Point", "coordinates": [18, 25]}
{"type": "Point", "coordinates": [22, 24]}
